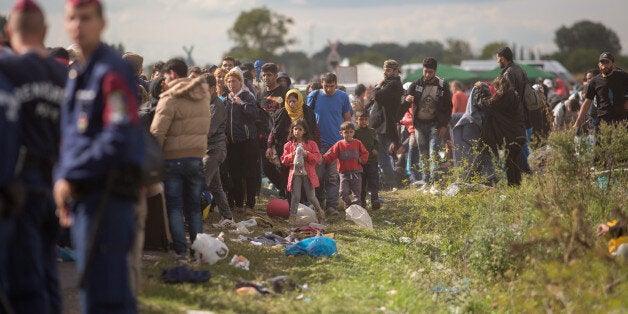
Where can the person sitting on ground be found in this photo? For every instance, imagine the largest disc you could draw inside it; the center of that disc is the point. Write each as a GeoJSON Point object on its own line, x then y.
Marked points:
{"type": "Point", "coordinates": [351, 155]}
{"type": "Point", "coordinates": [301, 154]}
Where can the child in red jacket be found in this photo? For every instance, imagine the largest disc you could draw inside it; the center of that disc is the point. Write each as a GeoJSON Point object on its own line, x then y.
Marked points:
{"type": "Point", "coordinates": [351, 154]}
{"type": "Point", "coordinates": [301, 154]}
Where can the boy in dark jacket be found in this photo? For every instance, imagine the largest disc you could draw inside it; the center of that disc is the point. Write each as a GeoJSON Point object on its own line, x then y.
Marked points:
{"type": "Point", "coordinates": [370, 174]}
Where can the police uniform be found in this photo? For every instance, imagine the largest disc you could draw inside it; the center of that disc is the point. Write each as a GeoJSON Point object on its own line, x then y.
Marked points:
{"type": "Point", "coordinates": [9, 146]}
{"type": "Point", "coordinates": [32, 267]}
{"type": "Point", "coordinates": [101, 142]}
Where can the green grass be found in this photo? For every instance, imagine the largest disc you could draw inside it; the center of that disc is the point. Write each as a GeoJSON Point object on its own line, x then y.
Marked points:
{"type": "Point", "coordinates": [526, 249]}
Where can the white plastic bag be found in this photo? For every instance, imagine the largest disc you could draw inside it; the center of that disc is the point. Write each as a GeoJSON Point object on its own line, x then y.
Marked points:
{"type": "Point", "coordinates": [360, 216]}
{"type": "Point", "coordinates": [208, 249]}
{"type": "Point", "coordinates": [305, 215]}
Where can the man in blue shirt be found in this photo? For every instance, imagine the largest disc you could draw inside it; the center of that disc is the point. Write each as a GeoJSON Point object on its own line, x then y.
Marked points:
{"type": "Point", "coordinates": [331, 107]}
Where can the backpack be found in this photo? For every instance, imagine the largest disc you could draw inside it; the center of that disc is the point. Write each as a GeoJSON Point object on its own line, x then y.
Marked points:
{"type": "Point", "coordinates": [531, 99]}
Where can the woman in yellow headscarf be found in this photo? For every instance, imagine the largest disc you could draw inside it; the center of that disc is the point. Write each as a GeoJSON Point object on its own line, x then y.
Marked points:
{"type": "Point", "coordinates": [294, 108]}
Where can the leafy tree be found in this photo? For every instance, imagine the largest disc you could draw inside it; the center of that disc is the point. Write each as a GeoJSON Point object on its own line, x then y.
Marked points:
{"type": "Point", "coordinates": [370, 56]}
{"type": "Point", "coordinates": [3, 23]}
{"type": "Point", "coordinates": [457, 50]}
{"type": "Point", "coordinates": [417, 51]}
{"type": "Point", "coordinates": [296, 64]}
{"type": "Point", "coordinates": [580, 60]}
{"type": "Point", "coordinates": [489, 50]}
{"type": "Point", "coordinates": [260, 34]}
{"type": "Point", "coordinates": [387, 50]}
{"type": "Point", "coordinates": [587, 34]}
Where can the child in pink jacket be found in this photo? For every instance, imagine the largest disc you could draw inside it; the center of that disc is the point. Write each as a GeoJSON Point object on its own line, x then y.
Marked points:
{"type": "Point", "coordinates": [301, 154]}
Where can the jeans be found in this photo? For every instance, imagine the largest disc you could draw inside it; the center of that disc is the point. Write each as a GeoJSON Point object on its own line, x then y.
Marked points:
{"type": "Point", "coordinates": [327, 192]}
{"type": "Point", "coordinates": [385, 161]}
{"type": "Point", "coordinates": [428, 142]}
{"type": "Point", "coordinates": [183, 184]}
{"type": "Point", "coordinates": [370, 178]}
{"type": "Point", "coordinates": [413, 161]}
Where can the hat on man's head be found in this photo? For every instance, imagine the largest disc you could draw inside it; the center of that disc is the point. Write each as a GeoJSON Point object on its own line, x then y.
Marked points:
{"type": "Point", "coordinates": [430, 63]}
{"type": "Point", "coordinates": [391, 64]}
{"type": "Point", "coordinates": [25, 6]}
{"type": "Point", "coordinates": [82, 2]}
{"type": "Point", "coordinates": [607, 56]}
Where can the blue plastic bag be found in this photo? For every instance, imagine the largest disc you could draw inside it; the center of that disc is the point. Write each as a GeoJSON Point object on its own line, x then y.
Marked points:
{"type": "Point", "coordinates": [318, 246]}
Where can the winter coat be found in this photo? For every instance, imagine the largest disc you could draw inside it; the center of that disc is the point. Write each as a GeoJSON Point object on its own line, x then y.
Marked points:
{"type": "Point", "coordinates": [182, 119]}
{"type": "Point", "coordinates": [241, 118]}
{"type": "Point", "coordinates": [312, 158]}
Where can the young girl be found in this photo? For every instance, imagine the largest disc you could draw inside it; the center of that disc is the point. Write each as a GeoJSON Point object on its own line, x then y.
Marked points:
{"type": "Point", "coordinates": [301, 154]}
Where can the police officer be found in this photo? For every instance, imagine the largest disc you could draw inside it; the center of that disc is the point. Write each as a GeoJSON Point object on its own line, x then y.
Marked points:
{"type": "Point", "coordinates": [97, 178]}
{"type": "Point", "coordinates": [9, 146]}
{"type": "Point", "coordinates": [38, 81]}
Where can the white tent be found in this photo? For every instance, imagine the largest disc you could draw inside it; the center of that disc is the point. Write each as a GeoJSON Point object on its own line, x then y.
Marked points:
{"type": "Point", "coordinates": [369, 74]}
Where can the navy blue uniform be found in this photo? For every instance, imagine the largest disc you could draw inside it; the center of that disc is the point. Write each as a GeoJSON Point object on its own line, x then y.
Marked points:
{"type": "Point", "coordinates": [32, 269]}
{"type": "Point", "coordinates": [101, 135]}
{"type": "Point", "coordinates": [9, 147]}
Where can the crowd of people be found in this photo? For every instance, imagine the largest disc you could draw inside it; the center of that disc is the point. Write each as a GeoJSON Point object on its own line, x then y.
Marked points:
{"type": "Point", "coordinates": [78, 126]}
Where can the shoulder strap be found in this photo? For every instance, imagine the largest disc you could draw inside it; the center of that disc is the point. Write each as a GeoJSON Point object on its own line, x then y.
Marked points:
{"type": "Point", "coordinates": [318, 91]}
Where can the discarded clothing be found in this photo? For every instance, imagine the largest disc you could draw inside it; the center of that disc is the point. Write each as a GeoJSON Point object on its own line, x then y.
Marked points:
{"type": "Point", "coordinates": [182, 273]}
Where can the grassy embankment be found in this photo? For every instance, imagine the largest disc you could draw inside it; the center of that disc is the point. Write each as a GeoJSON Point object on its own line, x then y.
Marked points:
{"type": "Point", "coordinates": [527, 249]}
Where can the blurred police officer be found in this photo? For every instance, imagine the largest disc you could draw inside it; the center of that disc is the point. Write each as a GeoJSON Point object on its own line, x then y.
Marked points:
{"type": "Point", "coordinates": [97, 178]}
{"type": "Point", "coordinates": [38, 81]}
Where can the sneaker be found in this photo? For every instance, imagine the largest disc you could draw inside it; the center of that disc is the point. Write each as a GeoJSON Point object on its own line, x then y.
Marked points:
{"type": "Point", "coordinates": [320, 214]}
{"type": "Point", "coordinates": [434, 190]}
{"type": "Point", "coordinates": [227, 223]}
{"type": "Point", "coordinates": [331, 212]}
{"type": "Point", "coordinates": [419, 183]}
{"type": "Point", "coordinates": [375, 205]}
{"type": "Point", "coordinates": [181, 258]}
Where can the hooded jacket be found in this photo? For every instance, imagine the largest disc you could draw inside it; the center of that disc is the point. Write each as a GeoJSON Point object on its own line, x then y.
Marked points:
{"type": "Point", "coordinates": [182, 119]}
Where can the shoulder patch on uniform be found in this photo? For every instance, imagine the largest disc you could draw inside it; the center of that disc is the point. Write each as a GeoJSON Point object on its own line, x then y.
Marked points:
{"type": "Point", "coordinates": [118, 107]}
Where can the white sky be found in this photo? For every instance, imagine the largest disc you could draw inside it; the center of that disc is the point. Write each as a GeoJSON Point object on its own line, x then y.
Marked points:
{"type": "Point", "coordinates": [157, 29]}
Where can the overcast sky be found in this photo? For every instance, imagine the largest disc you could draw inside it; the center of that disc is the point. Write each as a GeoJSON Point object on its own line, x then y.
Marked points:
{"type": "Point", "coordinates": [158, 29]}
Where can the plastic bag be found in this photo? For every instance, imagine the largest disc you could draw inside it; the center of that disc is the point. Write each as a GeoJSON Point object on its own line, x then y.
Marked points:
{"type": "Point", "coordinates": [208, 249]}
{"type": "Point", "coordinates": [305, 216]}
{"type": "Point", "coordinates": [318, 246]}
{"type": "Point", "coordinates": [360, 216]}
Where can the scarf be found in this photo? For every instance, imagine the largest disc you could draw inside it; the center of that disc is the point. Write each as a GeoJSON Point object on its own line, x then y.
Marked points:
{"type": "Point", "coordinates": [294, 113]}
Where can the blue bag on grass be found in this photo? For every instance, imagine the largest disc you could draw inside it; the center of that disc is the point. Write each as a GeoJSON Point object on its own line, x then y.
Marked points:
{"type": "Point", "coordinates": [318, 246]}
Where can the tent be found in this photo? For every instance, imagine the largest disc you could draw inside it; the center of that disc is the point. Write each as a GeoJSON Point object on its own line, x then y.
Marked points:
{"type": "Point", "coordinates": [533, 73]}
{"type": "Point", "coordinates": [446, 72]}
{"type": "Point", "coordinates": [369, 74]}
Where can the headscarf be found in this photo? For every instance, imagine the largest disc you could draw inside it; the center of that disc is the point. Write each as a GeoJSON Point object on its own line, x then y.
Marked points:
{"type": "Point", "coordinates": [296, 113]}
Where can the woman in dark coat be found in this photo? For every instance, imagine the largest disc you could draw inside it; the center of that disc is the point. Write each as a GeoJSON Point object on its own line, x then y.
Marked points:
{"type": "Point", "coordinates": [503, 124]}
{"type": "Point", "coordinates": [278, 136]}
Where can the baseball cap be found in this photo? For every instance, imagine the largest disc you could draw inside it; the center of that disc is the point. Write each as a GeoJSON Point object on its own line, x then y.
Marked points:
{"type": "Point", "coordinates": [606, 56]}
